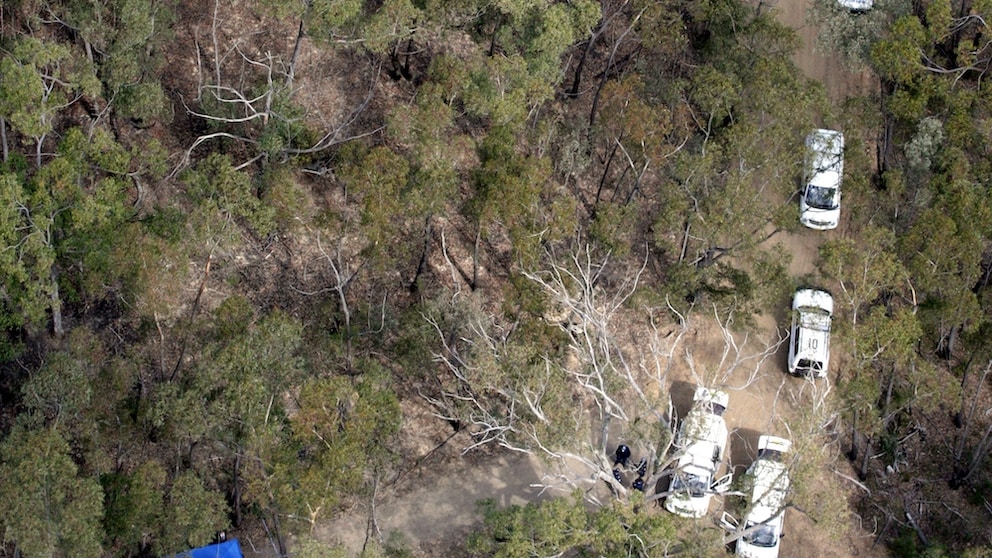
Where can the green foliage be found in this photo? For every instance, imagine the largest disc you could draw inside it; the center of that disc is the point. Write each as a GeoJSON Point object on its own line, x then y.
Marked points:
{"type": "Point", "coordinates": [613, 227]}
{"type": "Point", "coordinates": [311, 547]}
{"type": "Point", "coordinates": [167, 223]}
{"type": "Point", "coordinates": [249, 366]}
{"type": "Point", "coordinates": [566, 525]}
{"type": "Point", "coordinates": [921, 150]}
{"type": "Point", "coordinates": [61, 390]}
{"type": "Point", "coordinates": [216, 186]}
{"type": "Point", "coordinates": [128, 69]}
{"type": "Point", "coordinates": [21, 255]}
{"type": "Point", "coordinates": [531, 35]}
{"type": "Point", "coordinates": [49, 509]}
{"type": "Point", "coordinates": [552, 527]}
{"type": "Point", "coordinates": [191, 516]}
{"type": "Point", "coordinates": [395, 20]}
{"type": "Point", "coordinates": [714, 92]}
{"type": "Point", "coordinates": [942, 252]}
{"type": "Point", "coordinates": [133, 507]}
{"type": "Point", "coordinates": [379, 181]}
{"type": "Point", "coordinates": [286, 197]}
{"type": "Point", "coordinates": [393, 207]}
{"type": "Point", "coordinates": [68, 214]}
{"type": "Point", "coordinates": [508, 190]}
{"type": "Point", "coordinates": [723, 192]}
{"type": "Point", "coordinates": [28, 104]}
{"type": "Point", "coordinates": [864, 268]}
{"type": "Point", "coordinates": [327, 18]}
{"type": "Point", "coordinates": [661, 27]}
{"type": "Point", "coordinates": [233, 318]}
{"type": "Point", "coordinates": [127, 35]}
{"type": "Point", "coordinates": [502, 89]}
{"type": "Point", "coordinates": [427, 132]}
{"type": "Point", "coordinates": [344, 427]}
{"type": "Point", "coordinates": [855, 36]}
{"type": "Point", "coordinates": [285, 129]}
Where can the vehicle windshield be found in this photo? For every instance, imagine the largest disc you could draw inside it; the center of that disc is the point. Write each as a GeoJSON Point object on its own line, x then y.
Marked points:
{"type": "Point", "coordinates": [763, 536]}
{"type": "Point", "coordinates": [809, 366]}
{"type": "Point", "coordinates": [821, 198]}
{"type": "Point", "coordinates": [770, 454]}
{"type": "Point", "coordinates": [691, 483]}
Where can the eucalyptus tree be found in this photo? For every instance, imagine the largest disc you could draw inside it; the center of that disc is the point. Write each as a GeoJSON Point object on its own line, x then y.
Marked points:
{"type": "Point", "coordinates": [51, 508]}
{"type": "Point", "coordinates": [124, 40]}
{"type": "Point", "coordinates": [41, 79]}
{"type": "Point", "coordinates": [730, 187]}
{"type": "Point", "coordinates": [853, 36]}
{"type": "Point", "coordinates": [61, 217]}
{"type": "Point", "coordinates": [564, 525]}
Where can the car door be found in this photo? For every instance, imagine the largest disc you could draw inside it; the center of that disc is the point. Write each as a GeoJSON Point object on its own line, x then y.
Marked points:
{"type": "Point", "coordinates": [722, 484]}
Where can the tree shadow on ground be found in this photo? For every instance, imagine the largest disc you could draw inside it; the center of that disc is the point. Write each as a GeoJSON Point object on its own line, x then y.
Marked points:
{"type": "Point", "coordinates": [743, 449]}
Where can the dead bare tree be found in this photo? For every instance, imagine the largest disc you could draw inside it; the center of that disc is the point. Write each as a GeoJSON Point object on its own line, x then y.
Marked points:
{"type": "Point", "coordinates": [622, 385]}
{"type": "Point", "coordinates": [223, 98]}
{"type": "Point", "coordinates": [735, 358]}
{"type": "Point", "coordinates": [343, 268]}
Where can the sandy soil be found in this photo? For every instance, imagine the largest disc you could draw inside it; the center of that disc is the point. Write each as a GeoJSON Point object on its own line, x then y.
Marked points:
{"type": "Point", "coordinates": [435, 503]}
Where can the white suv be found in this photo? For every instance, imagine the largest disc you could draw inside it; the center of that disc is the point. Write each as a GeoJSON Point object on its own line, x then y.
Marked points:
{"type": "Point", "coordinates": [819, 204]}
{"type": "Point", "coordinates": [809, 348]}
{"type": "Point", "coordinates": [702, 440]}
{"type": "Point", "coordinates": [769, 479]}
{"type": "Point", "coordinates": [856, 6]}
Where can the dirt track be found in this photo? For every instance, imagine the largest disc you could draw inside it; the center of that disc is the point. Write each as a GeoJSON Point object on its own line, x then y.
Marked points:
{"type": "Point", "coordinates": [437, 502]}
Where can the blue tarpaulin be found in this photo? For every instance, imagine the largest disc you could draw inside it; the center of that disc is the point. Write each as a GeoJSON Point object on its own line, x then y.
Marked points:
{"type": "Point", "coordinates": [226, 549]}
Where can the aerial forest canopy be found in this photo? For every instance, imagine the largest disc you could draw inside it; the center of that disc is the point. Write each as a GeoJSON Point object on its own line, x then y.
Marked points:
{"type": "Point", "coordinates": [260, 261]}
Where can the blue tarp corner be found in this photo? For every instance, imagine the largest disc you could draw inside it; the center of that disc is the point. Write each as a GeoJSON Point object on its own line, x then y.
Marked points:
{"type": "Point", "coordinates": [226, 549]}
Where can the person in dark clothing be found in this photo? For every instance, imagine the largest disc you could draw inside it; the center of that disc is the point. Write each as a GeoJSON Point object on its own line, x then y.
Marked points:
{"type": "Point", "coordinates": [642, 467]}
{"type": "Point", "coordinates": [622, 455]}
{"type": "Point", "coordinates": [638, 484]}
{"type": "Point", "coordinates": [617, 475]}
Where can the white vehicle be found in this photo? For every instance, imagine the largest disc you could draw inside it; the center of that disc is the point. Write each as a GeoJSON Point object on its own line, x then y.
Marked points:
{"type": "Point", "coordinates": [769, 479]}
{"type": "Point", "coordinates": [858, 6]}
{"type": "Point", "coordinates": [809, 347]}
{"type": "Point", "coordinates": [819, 204]}
{"type": "Point", "coordinates": [702, 440]}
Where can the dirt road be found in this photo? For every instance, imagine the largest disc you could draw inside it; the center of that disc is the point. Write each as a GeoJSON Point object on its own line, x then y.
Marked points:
{"type": "Point", "coordinates": [825, 68]}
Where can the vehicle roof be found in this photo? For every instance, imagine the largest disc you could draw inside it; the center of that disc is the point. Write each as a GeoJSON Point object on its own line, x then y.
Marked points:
{"type": "Point", "coordinates": [826, 158]}
{"type": "Point", "coordinates": [770, 489]}
{"type": "Point", "coordinates": [711, 395]}
{"type": "Point", "coordinates": [856, 4]}
{"type": "Point", "coordinates": [813, 298]}
{"type": "Point", "coordinates": [774, 443]}
{"type": "Point", "coordinates": [700, 471]}
{"type": "Point", "coordinates": [701, 430]}
{"type": "Point", "coordinates": [826, 179]}
{"type": "Point", "coordinates": [823, 140]}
